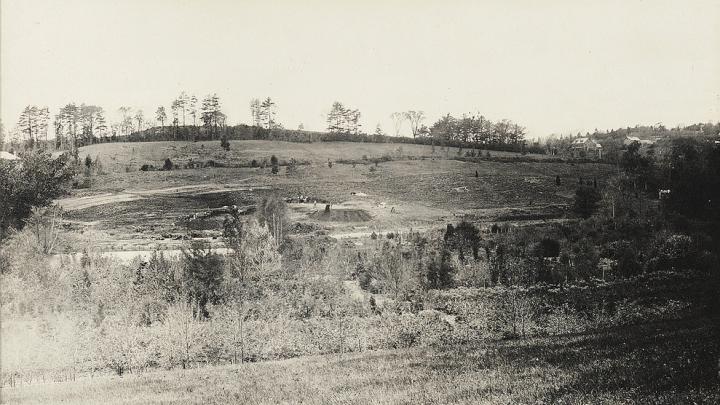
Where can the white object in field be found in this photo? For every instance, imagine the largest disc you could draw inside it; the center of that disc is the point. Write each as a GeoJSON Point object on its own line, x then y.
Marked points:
{"type": "Point", "coordinates": [8, 156]}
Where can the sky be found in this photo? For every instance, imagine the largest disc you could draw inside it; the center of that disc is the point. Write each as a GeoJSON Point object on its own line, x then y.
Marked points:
{"type": "Point", "coordinates": [556, 66]}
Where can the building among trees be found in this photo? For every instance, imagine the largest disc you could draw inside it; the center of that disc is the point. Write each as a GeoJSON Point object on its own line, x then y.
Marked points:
{"type": "Point", "coordinates": [586, 148]}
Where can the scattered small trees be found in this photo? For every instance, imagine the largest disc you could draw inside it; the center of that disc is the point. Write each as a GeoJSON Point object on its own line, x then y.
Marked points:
{"type": "Point", "coordinates": [33, 122]}
{"type": "Point", "coordinates": [464, 238]}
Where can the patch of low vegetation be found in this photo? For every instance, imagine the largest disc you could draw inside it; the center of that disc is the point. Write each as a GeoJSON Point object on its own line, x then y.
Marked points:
{"type": "Point", "coordinates": [342, 215]}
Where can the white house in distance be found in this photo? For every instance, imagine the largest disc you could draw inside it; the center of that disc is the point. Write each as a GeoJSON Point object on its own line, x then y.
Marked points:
{"type": "Point", "coordinates": [643, 142]}
{"type": "Point", "coordinates": [586, 147]}
{"type": "Point", "coordinates": [7, 156]}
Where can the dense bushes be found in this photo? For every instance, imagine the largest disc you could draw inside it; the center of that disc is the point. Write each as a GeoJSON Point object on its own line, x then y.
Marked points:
{"type": "Point", "coordinates": [34, 181]}
{"type": "Point", "coordinates": [96, 314]}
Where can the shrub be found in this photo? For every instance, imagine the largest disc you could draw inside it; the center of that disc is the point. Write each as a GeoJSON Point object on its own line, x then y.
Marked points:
{"type": "Point", "coordinates": [291, 167]}
{"type": "Point", "coordinates": [35, 182]}
{"type": "Point", "coordinates": [83, 183]}
{"type": "Point", "coordinates": [99, 166]}
{"type": "Point", "coordinates": [168, 165]}
{"type": "Point", "coordinates": [202, 277]}
{"type": "Point", "coordinates": [146, 168]}
{"type": "Point", "coordinates": [254, 163]}
{"type": "Point", "coordinates": [586, 200]}
{"type": "Point", "coordinates": [274, 163]}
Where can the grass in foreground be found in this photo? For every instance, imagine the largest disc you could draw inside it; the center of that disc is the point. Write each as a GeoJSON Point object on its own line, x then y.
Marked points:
{"type": "Point", "coordinates": [672, 362]}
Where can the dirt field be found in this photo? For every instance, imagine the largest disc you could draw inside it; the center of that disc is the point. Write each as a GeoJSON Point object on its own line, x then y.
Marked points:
{"type": "Point", "coordinates": [130, 209]}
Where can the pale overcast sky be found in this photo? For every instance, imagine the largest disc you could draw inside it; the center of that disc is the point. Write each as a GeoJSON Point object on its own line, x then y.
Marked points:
{"type": "Point", "coordinates": [552, 66]}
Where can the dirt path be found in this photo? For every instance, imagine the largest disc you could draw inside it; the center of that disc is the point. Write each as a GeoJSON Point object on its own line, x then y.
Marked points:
{"type": "Point", "coordinates": [79, 203]}
{"type": "Point", "coordinates": [127, 256]}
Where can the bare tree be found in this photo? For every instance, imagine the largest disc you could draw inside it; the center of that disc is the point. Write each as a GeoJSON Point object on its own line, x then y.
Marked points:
{"type": "Point", "coordinates": [44, 223]}
{"type": "Point", "coordinates": [415, 118]}
{"type": "Point", "coordinates": [255, 112]}
{"type": "Point", "coordinates": [193, 109]}
{"type": "Point", "coordinates": [183, 102]}
{"type": "Point", "coordinates": [397, 119]}
{"type": "Point", "coordinates": [140, 118]}
{"type": "Point", "coordinates": [126, 121]}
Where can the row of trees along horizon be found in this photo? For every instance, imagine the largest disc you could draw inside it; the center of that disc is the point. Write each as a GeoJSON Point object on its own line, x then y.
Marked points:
{"type": "Point", "coordinates": [191, 119]}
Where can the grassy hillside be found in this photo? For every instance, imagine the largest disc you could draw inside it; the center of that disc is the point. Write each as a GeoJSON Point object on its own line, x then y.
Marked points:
{"type": "Point", "coordinates": [134, 154]}
{"type": "Point", "coordinates": [664, 363]}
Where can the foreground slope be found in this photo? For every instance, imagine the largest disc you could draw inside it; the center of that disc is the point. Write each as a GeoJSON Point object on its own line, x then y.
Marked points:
{"type": "Point", "coordinates": [666, 363]}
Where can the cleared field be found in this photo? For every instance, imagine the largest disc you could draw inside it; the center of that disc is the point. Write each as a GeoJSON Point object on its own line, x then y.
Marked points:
{"type": "Point", "coordinates": [147, 209]}
{"type": "Point", "coordinates": [667, 363]}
